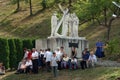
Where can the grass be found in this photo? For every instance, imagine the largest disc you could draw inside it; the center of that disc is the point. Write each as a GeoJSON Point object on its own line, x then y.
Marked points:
{"type": "Point", "coordinates": [99, 73]}
{"type": "Point", "coordinates": [21, 25]}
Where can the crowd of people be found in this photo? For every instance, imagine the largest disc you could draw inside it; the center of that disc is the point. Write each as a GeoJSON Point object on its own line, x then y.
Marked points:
{"type": "Point", "coordinates": [48, 60]}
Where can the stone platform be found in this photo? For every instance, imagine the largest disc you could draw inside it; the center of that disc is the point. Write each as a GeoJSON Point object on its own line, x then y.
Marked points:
{"type": "Point", "coordinates": [55, 42]}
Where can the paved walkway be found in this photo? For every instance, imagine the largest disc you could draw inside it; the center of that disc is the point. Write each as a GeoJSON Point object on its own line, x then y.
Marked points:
{"type": "Point", "coordinates": [108, 63]}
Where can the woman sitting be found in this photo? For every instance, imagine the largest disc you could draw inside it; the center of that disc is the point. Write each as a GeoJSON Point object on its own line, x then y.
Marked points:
{"type": "Point", "coordinates": [21, 67]}
{"type": "Point", "coordinates": [73, 63]}
{"type": "Point", "coordinates": [2, 69]}
{"type": "Point", "coordinates": [64, 62]}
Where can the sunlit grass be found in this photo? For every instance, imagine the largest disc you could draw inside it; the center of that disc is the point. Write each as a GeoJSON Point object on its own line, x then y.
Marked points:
{"type": "Point", "coordinates": [99, 73]}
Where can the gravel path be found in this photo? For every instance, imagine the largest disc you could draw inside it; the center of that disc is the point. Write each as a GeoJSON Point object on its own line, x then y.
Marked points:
{"type": "Point", "coordinates": [108, 63]}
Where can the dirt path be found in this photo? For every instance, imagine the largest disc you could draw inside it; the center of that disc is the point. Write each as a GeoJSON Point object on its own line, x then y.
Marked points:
{"type": "Point", "coordinates": [6, 74]}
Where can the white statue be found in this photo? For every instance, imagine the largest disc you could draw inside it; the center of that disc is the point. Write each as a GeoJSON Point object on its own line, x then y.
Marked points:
{"type": "Point", "coordinates": [65, 25]}
{"type": "Point", "coordinates": [69, 23]}
{"type": "Point", "coordinates": [75, 25]}
{"type": "Point", "coordinates": [54, 23]}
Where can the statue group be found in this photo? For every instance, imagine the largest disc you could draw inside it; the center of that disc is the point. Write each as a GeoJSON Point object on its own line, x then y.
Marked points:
{"type": "Point", "coordinates": [69, 22]}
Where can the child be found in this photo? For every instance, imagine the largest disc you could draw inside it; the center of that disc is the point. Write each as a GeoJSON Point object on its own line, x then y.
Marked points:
{"type": "Point", "coordinates": [2, 69]}
{"type": "Point", "coordinates": [92, 59]}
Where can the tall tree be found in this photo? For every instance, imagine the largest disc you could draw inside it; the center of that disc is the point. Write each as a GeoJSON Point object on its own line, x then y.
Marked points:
{"type": "Point", "coordinates": [44, 4]}
{"type": "Point", "coordinates": [17, 2]}
{"type": "Point", "coordinates": [18, 5]}
{"type": "Point", "coordinates": [13, 54]}
{"type": "Point", "coordinates": [30, 4]}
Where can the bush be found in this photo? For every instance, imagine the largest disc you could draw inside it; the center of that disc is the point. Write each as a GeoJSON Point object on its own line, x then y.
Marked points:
{"type": "Point", "coordinates": [13, 54]}
{"type": "Point", "coordinates": [4, 52]}
{"type": "Point", "coordinates": [19, 49]}
{"type": "Point", "coordinates": [113, 49]}
{"type": "Point", "coordinates": [27, 43]}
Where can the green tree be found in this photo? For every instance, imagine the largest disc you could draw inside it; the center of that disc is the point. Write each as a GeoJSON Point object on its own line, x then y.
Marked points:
{"type": "Point", "coordinates": [13, 54]}
{"type": "Point", "coordinates": [19, 49]}
{"type": "Point", "coordinates": [4, 52]}
{"type": "Point", "coordinates": [44, 4]}
{"type": "Point", "coordinates": [27, 43]}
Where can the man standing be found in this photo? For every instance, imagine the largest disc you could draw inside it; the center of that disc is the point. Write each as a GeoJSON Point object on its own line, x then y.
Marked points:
{"type": "Point", "coordinates": [54, 64]}
{"type": "Point", "coordinates": [35, 60]}
{"type": "Point", "coordinates": [48, 56]}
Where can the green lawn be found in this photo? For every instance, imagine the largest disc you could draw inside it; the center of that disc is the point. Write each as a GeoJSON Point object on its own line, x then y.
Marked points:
{"type": "Point", "coordinates": [99, 73]}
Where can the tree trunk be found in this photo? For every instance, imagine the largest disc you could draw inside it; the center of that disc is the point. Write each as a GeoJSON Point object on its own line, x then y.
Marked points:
{"type": "Point", "coordinates": [105, 16]}
{"type": "Point", "coordinates": [109, 28]}
{"type": "Point", "coordinates": [18, 5]}
{"type": "Point", "coordinates": [30, 7]}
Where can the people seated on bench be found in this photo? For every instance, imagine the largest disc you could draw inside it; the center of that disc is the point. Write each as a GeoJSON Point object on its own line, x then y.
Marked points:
{"type": "Point", "coordinates": [85, 56]}
{"type": "Point", "coordinates": [21, 67]}
{"type": "Point", "coordinates": [64, 61]}
{"type": "Point", "coordinates": [92, 59]}
{"type": "Point", "coordinates": [2, 69]}
{"type": "Point", "coordinates": [25, 66]}
{"type": "Point", "coordinates": [28, 66]}
{"type": "Point", "coordinates": [73, 63]}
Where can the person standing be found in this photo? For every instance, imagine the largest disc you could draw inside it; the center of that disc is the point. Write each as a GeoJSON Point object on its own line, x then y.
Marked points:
{"type": "Point", "coordinates": [48, 56]}
{"type": "Point", "coordinates": [99, 49]}
{"type": "Point", "coordinates": [54, 64]}
{"type": "Point", "coordinates": [35, 60]}
{"type": "Point", "coordinates": [25, 53]}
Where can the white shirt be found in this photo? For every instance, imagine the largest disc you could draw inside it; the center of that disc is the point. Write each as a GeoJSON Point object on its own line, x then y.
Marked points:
{"type": "Point", "coordinates": [92, 58]}
{"type": "Point", "coordinates": [74, 60]}
{"type": "Point", "coordinates": [58, 54]}
{"type": "Point", "coordinates": [25, 55]}
{"type": "Point", "coordinates": [48, 56]}
{"type": "Point", "coordinates": [35, 54]}
{"type": "Point", "coordinates": [28, 63]}
{"type": "Point", "coordinates": [54, 61]}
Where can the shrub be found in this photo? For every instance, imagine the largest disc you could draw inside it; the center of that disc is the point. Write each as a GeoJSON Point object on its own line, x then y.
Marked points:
{"type": "Point", "coordinates": [19, 49]}
{"type": "Point", "coordinates": [13, 54]}
{"type": "Point", "coordinates": [4, 52]}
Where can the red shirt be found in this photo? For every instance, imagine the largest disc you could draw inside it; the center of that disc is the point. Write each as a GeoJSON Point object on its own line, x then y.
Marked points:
{"type": "Point", "coordinates": [29, 55]}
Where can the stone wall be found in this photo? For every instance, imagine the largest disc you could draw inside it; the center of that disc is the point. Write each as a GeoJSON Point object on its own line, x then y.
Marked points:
{"type": "Point", "coordinates": [53, 43]}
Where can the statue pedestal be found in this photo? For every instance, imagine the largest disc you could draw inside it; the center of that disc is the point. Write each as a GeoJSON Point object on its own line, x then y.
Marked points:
{"type": "Point", "coordinates": [66, 42]}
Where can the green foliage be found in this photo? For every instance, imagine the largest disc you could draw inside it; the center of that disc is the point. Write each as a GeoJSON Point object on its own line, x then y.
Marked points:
{"type": "Point", "coordinates": [113, 49]}
{"type": "Point", "coordinates": [44, 4]}
{"type": "Point", "coordinates": [113, 46]}
{"type": "Point", "coordinates": [19, 49]}
{"type": "Point", "coordinates": [13, 54]}
{"type": "Point", "coordinates": [27, 43]}
{"type": "Point", "coordinates": [33, 42]}
{"type": "Point", "coordinates": [13, 1]}
{"type": "Point", "coordinates": [4, 52]}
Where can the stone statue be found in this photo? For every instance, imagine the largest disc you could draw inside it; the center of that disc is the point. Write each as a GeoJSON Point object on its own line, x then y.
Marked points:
{"type": "Point", "coordinates": [69, 23]}
{"type": "Point", "coordinates": [54, 23]}
{"type": "Point", "coordinates": [71, 27]}
{"type": "Point", "coordinates": [75, 25]}
{"type": "Point", "coordinates": [65, 25]}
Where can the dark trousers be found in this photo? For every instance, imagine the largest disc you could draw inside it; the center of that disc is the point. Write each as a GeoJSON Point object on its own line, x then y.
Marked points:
{"type": "Point", "coordinates": [35, 65]}
{"type": "Point", "coordinates": [48, 66]}
{"type": "Point", "coordinates": [83, 64]}
{"type": "Point", "coordinates": [59, 65]}
{"type": "Point", "coordinates": [28, 69]}
{"type": "Point", "coordinates": [54, 69]}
